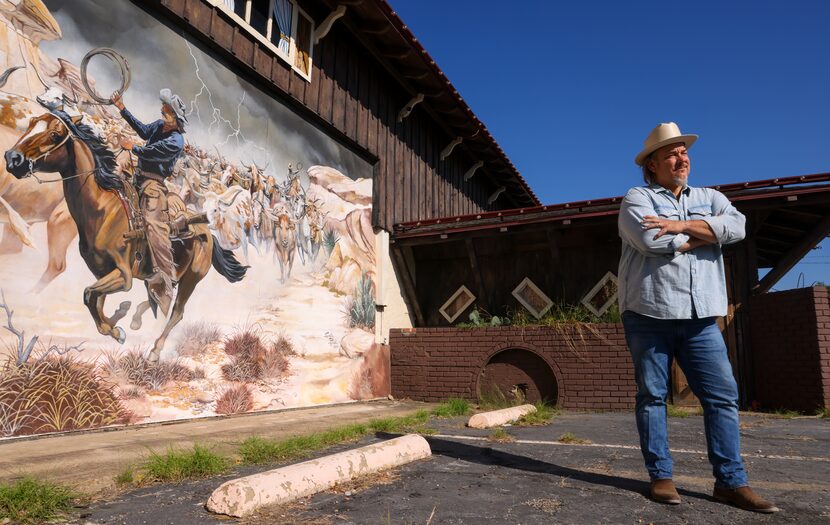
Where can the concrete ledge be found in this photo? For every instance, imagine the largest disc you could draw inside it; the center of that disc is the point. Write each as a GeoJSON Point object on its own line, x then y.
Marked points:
{"type": "Point", "coordinates": [499, 417]}
{"type": "Point", "coordinates": [242, 496]}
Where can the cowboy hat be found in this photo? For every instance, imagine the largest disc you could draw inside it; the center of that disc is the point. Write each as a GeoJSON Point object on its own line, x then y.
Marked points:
{"type": "Point", "coordinates": [663, 135]}
{"type": "Point", "coordinates": [175, 102]}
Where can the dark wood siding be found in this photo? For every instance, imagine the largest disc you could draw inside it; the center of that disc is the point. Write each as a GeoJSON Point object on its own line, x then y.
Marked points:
{"type": "Point", "coordinates": [354, 98]}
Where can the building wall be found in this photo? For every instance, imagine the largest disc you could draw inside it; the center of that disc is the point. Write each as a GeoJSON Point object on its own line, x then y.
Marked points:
{"type": "Point", "coordinates": [353, 94]}
{"type": "Point", "coordinates": [791, 348]}
{"type": "Point", "coordinates": [591, 366]}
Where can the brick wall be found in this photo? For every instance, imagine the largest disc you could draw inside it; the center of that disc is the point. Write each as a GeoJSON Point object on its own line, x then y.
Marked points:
{"type": "Point", "coordinates": [791, 348]}
{"type": "Point", "coordinates": [590, 366]}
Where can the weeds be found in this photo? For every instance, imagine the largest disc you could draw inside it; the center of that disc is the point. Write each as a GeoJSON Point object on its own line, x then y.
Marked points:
{"type": "Point", "coordinates": [125, 477]}
{"type": "Point", "coordinates": [500, 435]}
{"type": "Point", "coordinates": [823, 413]}
{"type": "Point", "coordinates": [360, 306]}
{"type": "Point", "coordinates": [569, 438]}
{"type": "Point", "coordinates": [452, 407]}
{"type": "Point", "coordinates": [492, 398]}
{"type": "Point", "coordinates": [541, 416]}
{"type": "Point", "coordinates": [257, 450]}
{"type": "Point", "coordinates": [32, 501]}
{"type": "Point", "coordinates": [177, 465]}
{"type": "Point", "coordinates": [676, 411]}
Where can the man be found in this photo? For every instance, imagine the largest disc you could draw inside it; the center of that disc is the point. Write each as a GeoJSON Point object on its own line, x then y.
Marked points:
{"type": "Point", "coordinates": [672, 289]}
{"type": "Point", "coordinates": [156, 160]}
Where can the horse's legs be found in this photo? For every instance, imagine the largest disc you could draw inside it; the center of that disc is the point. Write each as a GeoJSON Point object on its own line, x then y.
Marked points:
{"type": "Point", "coordinates": [110, 283]}
{"type": "Point", "coordinates": [187, 284]}
{"type": "Point", "coordinates": [139, 313]}
{"type": "Point", "coordinates": [60, 230]}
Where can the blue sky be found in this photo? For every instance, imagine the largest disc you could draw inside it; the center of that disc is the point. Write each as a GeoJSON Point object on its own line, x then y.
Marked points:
{"type": "Point", "coordinates": [571, 89]}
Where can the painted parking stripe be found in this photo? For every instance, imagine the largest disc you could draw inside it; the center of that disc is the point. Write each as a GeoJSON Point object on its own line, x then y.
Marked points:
{"type": "Point", "coordinates": [629, 447]}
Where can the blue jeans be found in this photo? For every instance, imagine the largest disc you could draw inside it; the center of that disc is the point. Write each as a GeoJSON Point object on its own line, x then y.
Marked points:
{"type": "Point", "coordinates": [698, 346]}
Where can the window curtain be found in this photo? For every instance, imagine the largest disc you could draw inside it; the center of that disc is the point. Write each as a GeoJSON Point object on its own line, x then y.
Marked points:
{"type": "Point", "coordinates": [281, 29]}
{"type": "Point", "coordinates": [237, 6]}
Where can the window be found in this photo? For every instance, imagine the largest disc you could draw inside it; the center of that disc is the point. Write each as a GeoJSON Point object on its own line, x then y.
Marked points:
{"type": "Point", "coordinates": [279, 24]}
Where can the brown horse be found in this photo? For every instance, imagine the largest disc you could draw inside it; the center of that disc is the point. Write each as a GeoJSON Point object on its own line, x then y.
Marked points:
{"type": "Point", "coordinates": [56, 142]}
{"type": "Point", "coordinates": [285, 243]}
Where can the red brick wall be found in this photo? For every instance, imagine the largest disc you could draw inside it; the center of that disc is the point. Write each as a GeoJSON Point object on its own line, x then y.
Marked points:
{"type": "Point", "coordinates": [791, 348]}
{"type": "Point", "coordinates": [591, 365]}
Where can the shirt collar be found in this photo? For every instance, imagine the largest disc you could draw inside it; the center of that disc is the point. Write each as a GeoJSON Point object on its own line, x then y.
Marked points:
{"type": "Point", "coordinates": [656, 188]}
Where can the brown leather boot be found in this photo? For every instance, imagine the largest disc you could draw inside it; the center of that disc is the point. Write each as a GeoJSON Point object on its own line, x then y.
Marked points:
{"type": "Point", "coordinates": [663, 491]}
{"type": "Point", "coordinates": [744, 498]}
{"type": "Point", "coordinates": [161, 290]}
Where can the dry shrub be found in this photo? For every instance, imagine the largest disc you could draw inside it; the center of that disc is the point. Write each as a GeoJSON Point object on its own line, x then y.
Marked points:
{"type": "Point", "coordinates": [235, 400]}
{"type": "Point", "coordinates": [199, 373]}
{"type": "Point", "coordinates": [56, 394]}
{"type": "Point", "coordinates": [196, 336]}
{"type": "Point", "coordinates": [137, 370]}
{"type": "Point", "coordinates": [252, 360]}
{"type": "Point", "coordinates": [131, 392]}
{"type": "Point", "coordinates": [284, 346]}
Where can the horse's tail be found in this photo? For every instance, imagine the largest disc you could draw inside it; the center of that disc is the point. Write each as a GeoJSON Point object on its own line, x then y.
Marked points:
{"type": "Point", "coordinates": [226, 264]}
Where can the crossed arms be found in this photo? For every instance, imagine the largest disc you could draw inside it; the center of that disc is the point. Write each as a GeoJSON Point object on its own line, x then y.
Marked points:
{"type": "Point", "coordinates": [638, 222]}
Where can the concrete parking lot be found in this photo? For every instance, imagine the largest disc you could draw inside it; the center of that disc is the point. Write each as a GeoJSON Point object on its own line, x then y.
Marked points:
{"type": "Point", "coordinates": [597, 477]}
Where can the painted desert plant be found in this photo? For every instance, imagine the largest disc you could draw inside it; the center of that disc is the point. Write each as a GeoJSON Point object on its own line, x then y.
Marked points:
{"type": "Point", "coordinates": [196, 336]}
{"type": "Point", "coordinates": [360, 306]}
{"type": "Point", "coordinates": [252, 359]}
{"type": "Point", "coordinates": [330, 239]}
{"type": "Point", "coordinates": [235, 400]}
{"type": "Point", "coordinates": [134, 368]}
{"type": "Point", "coordinates": [56, 394]}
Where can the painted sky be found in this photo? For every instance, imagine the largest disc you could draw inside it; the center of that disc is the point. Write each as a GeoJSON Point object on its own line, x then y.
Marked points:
{"type": "Point", "coordinates": [571, 89]}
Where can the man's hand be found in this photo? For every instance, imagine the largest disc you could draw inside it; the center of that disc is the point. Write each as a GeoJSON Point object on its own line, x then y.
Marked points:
{"type": "Point", "coordinates": [117, 101]}
{"type": "Point", "coordinates": [127, 144]}
{"type": "Point", "coordinates": [651, 222]}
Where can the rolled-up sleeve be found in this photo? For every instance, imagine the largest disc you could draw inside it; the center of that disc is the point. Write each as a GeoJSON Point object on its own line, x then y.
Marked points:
{"type": "Point", "coordinates": [727, 223]}
{"type": "Point", "coordinates": [634, 207]}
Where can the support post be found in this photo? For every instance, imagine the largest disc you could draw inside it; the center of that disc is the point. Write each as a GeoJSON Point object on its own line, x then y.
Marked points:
{"type": "Point", "coordinates": [325, 26]}
{"type": "Point", "coordinates": [472, 171]}
{"type": "Point", "coordinates": [409, 289]}
{"type": "Point", "coordinates": [451, 146]}
{"type": "Point", "coordinates": [407, 109]}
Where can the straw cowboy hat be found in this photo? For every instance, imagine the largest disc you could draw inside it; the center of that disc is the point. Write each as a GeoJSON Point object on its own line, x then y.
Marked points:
{"type": "Point", "coordinates": [663, 135]}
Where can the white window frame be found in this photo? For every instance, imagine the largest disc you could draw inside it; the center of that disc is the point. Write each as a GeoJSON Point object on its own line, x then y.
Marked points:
{"type": "Point", "coordinates": [265, 39]}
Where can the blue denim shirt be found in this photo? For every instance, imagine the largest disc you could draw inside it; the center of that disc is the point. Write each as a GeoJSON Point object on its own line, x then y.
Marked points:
{"type": "Point", "coordinates": [161, 151]}
{"type": "Point", "coordinates": [655, 279]}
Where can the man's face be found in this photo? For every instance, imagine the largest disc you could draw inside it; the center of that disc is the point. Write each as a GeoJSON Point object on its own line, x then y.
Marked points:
{"type": "Point", "coordinates": [670, 165]}
{"type": "Point", "coordinates": [168, 115]}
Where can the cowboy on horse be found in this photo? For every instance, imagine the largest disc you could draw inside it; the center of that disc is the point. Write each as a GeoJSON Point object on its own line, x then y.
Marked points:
{"type": "Point", "coordinates": [156, 161]}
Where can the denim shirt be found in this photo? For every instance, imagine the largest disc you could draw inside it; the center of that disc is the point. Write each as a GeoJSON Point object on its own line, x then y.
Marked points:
{"type": "Point", "coordinates": [657, 280]}
{"type": "Point", "coordinates": [162, 150]}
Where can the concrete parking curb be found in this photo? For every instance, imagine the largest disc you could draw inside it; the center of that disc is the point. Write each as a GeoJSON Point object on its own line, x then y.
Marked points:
{"type": "Point", "coordinates": [243, 496]}
{"type": "Point", "coordinates": [499, 417]}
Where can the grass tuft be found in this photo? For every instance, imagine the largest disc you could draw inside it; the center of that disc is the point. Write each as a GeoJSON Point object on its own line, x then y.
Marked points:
{"type": "Point", "coordinates": [824, 413]}
{"type": "Point", "coordinates": [257, 450]}
{"type": "Point", "coordinates": [676, 411]}
{"type": "Point", "coordinates": [125, 477]}
{"type": "Point", "coordinates": [541, 416]}
{"type": "Point", "coordinates": [452, 407]}
{"type": "Point", "coordinates": [567, 437]}
{"type": "Point", "coordinates": [196, 336]}
{"type": "Point", "coordinates": [178, 465]}
{"type": "Point", "coordinates": [32, 501]}
{"type": "Point", "coordinates": [235, 400]}
{"type": "Point", "coordinates": [500, 435]}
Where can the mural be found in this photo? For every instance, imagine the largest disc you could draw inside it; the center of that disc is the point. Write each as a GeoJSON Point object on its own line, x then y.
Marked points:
{"type": "Point", "coordinates": [175, 243]}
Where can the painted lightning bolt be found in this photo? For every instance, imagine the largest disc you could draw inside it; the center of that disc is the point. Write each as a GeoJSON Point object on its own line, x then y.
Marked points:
{"type": "Point", "coordinates": [216, 113]}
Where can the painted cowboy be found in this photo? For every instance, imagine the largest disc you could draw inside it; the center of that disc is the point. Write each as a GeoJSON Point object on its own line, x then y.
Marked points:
{"type": "Point", "coordinates": [156, 161]}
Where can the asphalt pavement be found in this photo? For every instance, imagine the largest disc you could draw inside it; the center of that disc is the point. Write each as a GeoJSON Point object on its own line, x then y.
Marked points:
{"type": "Point", "coordinates": [536, 478]}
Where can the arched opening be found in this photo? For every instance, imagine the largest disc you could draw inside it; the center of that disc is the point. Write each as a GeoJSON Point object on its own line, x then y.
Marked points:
{"type": "Point", "coordinates": [517, 375]}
